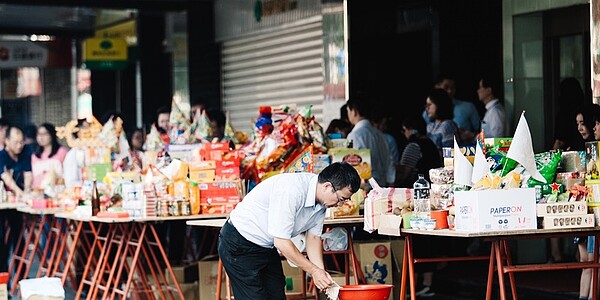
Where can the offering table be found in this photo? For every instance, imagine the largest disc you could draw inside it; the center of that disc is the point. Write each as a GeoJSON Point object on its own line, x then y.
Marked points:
{"type": "Point", "coordinates": [499, 259]}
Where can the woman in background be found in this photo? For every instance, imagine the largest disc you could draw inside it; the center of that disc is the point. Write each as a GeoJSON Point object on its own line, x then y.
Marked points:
{"type": "Point", "coordinates": [586, 116]}
{"type": "Point", "coordinates": [47, 159]}
{"type": "Point", "coordinates": [441, 111]}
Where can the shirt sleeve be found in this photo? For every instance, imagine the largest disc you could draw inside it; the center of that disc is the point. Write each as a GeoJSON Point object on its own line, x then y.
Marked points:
{"type": "Point", "coordinates": [411, 155]}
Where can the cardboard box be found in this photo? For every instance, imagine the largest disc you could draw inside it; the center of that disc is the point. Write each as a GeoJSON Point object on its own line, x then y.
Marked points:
{"type": "Point", "coordinates": [572, 221]}
{"type": "Point", "coordinates": [293, 278]}
{"type": "Point", "coordinates": [389, 224]}
{"type": "Point", "coordinates": [561, 208]}
{"type": "Point", "coordinates": [189, 290]}
{"type": "Point", "coordinates": [207, 280]}
{"type": "Point", "coordinates": [360, 159]}
{"type": "Point", "coordinates": [3, 292]}
{"type": "Point", "coordinates": [495, 210]}
{"type": "Point", "coordinates": [375, 260]}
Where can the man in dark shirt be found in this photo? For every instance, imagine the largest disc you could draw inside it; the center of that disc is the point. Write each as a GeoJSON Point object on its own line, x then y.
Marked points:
{"type": "Point", "coordinates": [15, 163]}
{"type": "Point", "coordinates": [15, 168]}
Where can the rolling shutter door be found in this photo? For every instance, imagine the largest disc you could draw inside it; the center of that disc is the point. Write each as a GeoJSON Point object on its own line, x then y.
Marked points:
{"type": "Point", "coordinates": [272, 69]}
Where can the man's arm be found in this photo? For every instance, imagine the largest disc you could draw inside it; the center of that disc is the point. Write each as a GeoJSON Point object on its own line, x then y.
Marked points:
{"type": "Point", "coordinates": [11, 184]}
{"type": "Point", "coordinates": [314, 266]}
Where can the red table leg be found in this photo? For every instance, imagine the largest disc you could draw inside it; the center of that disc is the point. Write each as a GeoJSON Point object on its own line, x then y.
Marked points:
{"type": "Point", "coordinates": [404, 269]}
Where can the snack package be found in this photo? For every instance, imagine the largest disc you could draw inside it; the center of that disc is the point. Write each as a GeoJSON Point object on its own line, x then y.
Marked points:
{"type": "Point", "coordinates": [546, 163]}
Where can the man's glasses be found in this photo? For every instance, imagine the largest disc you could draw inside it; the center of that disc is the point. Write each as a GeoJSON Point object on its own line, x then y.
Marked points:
{"type": "Point", "coordinates": [340, 198]}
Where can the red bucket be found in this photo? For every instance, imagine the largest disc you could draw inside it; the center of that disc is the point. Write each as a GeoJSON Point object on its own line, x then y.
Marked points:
{"type": "Point", "coordinates": [365, 291]}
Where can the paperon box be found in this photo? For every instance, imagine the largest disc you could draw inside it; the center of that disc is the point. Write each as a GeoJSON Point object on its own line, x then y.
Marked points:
{"type": "Point", "coordinates": [495, 210]}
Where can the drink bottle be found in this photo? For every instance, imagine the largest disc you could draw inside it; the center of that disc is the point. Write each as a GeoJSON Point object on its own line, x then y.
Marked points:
{"type": "Point", "coordinates": [421, 198]}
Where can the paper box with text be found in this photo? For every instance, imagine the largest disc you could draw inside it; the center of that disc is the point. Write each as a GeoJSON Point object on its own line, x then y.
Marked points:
{"type": "Point", "coordinates": [495, 210]}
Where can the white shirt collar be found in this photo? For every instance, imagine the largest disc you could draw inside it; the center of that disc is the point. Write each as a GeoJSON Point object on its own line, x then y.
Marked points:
{"type": "Point", "coordinates": [491, 103]}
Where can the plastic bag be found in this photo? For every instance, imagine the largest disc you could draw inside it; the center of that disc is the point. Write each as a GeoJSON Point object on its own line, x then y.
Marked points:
{"type": "Point", "coordinates": [335, 239]}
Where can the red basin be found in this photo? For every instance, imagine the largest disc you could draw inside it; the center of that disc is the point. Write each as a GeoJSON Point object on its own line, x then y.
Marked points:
{"type": "Point", "coordinates": [365, 291]}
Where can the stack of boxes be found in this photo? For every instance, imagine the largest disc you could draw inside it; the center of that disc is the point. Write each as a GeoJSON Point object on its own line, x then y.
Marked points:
{"type": "Point", "coordinates": [572, 212]}
{"type": "Point", "coordinates": [218, 177]}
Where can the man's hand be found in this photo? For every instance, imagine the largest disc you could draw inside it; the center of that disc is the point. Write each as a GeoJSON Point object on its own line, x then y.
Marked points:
{"type": "Point", "coordinates": [322, 279]}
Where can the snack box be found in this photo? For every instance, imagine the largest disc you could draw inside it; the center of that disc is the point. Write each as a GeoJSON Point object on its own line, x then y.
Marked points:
{"type": "Point", "coordinates": [495, 210]}
{"type": "Point", "coordinates": [360, 159]}
{"type": "Point", "coordinates": [561, 208]}
{"type": "Point", "coordinates": [572, 221]}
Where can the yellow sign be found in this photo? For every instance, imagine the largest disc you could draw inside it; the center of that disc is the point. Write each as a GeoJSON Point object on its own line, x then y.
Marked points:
{"type": "Point", "coordinates": [126, 30]}
{"type": "Point", "coordinates": [101, 49]}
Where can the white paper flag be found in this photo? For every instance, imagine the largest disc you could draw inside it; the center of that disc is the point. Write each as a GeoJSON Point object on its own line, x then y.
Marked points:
{"type": "Point", "coordinates": [462, 167]}
{"type": "Point", "coordinates": [480, 165]}
{"type": "Point", "coordinates": [521, 149]}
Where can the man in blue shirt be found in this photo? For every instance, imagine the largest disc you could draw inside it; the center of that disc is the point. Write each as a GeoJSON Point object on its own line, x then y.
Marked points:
{"type": "Point", "coordinates": [465, 113]}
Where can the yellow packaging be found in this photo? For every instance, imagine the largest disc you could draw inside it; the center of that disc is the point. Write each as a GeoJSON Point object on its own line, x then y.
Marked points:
{"type": "Point", "coordinates": [181, 189]}
{"type": "Point", "coordinates": [194, 198]}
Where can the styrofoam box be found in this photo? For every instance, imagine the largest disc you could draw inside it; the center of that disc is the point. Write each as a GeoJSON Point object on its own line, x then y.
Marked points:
{"type": "Point", "coordinates": [572, 221]}
{"type": "Point", "coordinates": [562, 208]}
{"type": "Point", "coordinates": [495, 210]}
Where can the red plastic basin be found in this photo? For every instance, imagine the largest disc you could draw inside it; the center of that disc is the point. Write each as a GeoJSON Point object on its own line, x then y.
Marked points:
{"type": "Point", "coordinates": [365, 291]}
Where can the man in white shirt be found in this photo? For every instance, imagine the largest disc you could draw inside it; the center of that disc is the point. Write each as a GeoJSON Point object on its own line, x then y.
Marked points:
{"type": "Point", "coordinates": [494, 120]}
{"type": "Point", "coordinates": [366, 136]}
{"type": "Point", "coordinates": [271, 214]}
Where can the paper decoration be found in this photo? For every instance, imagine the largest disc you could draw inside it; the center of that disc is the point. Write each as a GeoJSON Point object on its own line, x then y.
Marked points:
{"type": "Point", "coordinates": [229, 131]}
{"type": "Point", "coordinates": [463, 169]}
{"type": "Point", "coordinates": [521, 149]}
{"type": "Point", "coordinates": [480, 165]}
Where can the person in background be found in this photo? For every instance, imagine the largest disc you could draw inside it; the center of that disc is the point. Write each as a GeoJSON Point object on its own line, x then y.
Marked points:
{"type": "Point", "coordinates": [15, 164]}
{"type": "Point", "coordinates": [15, 168]}
{"type": "Point", "coordinates": [466, 116]}
{"type": "Point", "coordinates": [339, 127]}
{"type": "Point", "coordinates": [217, 123]}
{"type": "Point", "coordinates": [163, 124]}
{"type": "Point", "coordinates": [440, 110]}
{"type": "Point", "coordinates": [586, 117]}
{"type": "Point", "coordinates": [566, 136]}
{"type": "Point", "coordinates": [366, 136]}
{"type": "Point", "coordinates": [380, 120]}
{"type": "Point", "coordinates": [276, 210]}
{"type": "Point", "coordinates": [420, 154]}
{"type": "Point", "coordinates": [494, 120]}
{"type": "Point", "coordinates": [47, 157]}
{"type": "Point", "coordinates": [136, 140]}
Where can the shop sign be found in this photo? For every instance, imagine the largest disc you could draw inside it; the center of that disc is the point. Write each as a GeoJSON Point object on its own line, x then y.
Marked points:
{"type": "Point", "coordinates": [17, 54]}
{"type": "Point", "coordinates": [105, 54]}
{"type": "Point", "coordinates": [126, 30]}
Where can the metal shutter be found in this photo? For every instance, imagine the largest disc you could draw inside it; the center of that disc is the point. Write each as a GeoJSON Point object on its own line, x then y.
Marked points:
{"type": "Point", "coordinates": [284, 66]}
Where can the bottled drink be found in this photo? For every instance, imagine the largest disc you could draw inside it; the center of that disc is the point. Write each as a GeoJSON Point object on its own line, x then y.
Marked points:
{"type": "Point", "coordinates": [95, 200]}
{"type": "Point", "coordinates": [421, 198]}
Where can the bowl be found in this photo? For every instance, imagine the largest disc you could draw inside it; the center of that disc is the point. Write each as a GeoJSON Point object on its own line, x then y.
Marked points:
{"type": "Point", "coordinates": [429, 224]}
{"type": "Point", "coordinates": [365, 291]}
{"type": "Point", "coordinates": [416, 223]}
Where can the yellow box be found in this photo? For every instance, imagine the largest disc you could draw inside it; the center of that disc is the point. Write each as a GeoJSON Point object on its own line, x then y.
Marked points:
{"type": "Point", "coordinates": [202, 176]}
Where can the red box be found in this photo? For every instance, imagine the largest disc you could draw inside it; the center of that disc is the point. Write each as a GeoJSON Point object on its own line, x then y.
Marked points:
{"type": "Point", "coordinates": [222, 208]}
{"type": "Point", "coordinates": [227, 174]}
{"type": "Point", "coordinates": [219, 189]}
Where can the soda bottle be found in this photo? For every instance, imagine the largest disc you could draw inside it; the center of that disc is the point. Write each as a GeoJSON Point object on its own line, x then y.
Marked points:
{"type": "Point", "coordinates": [95, 200]}
{"type": "Point", "coordinates": [421, 198]}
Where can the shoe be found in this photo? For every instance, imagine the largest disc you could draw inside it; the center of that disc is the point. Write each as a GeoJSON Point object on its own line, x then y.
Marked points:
{"type": "Point", "coordinates": [425, 292]}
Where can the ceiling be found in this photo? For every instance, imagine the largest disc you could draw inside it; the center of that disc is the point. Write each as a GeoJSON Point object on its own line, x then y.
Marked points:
{"type": "Point", "coordinates": [75, 18]}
